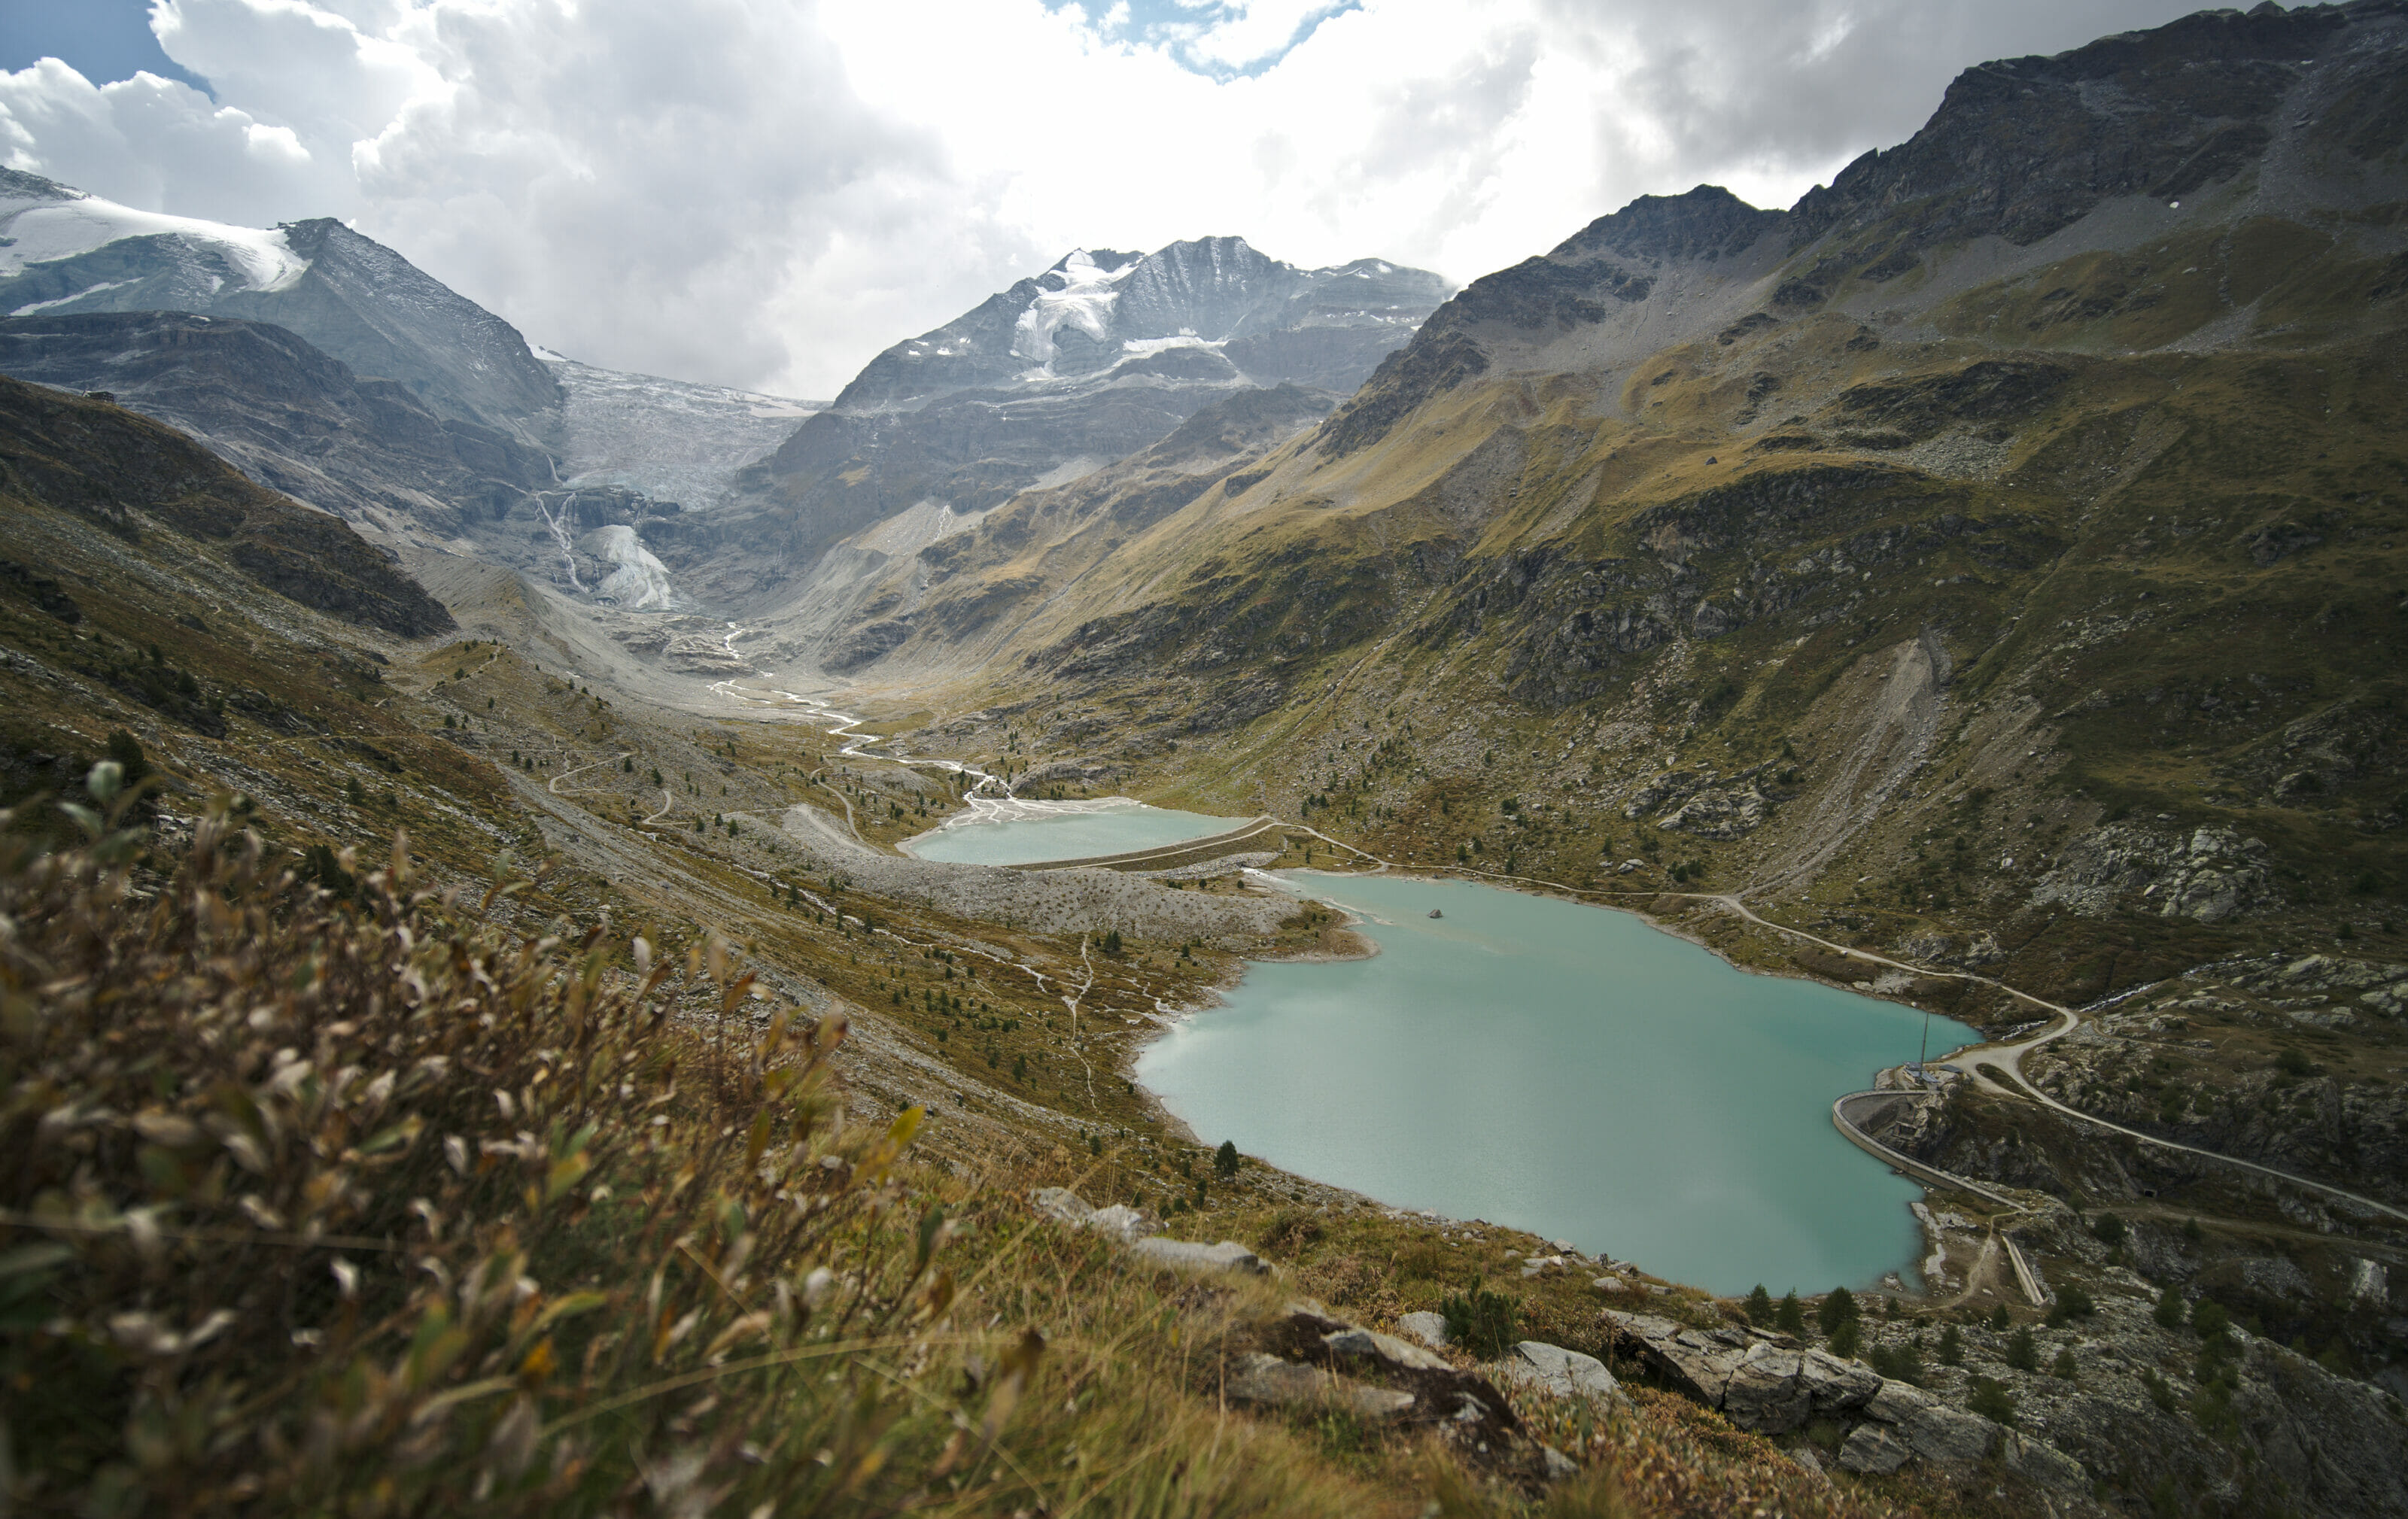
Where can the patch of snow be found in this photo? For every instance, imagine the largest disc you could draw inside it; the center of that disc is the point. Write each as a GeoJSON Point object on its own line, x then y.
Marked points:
{"type": "Point", "coordinates": [639, 582]}
{"type": "Point", "coordinates": [546, 354]}
{"type": "Point", "coordinates": [1186, 338]}
{"type": "Point", "coordinates": [45, 229]}
{"type": "Point", "coordinates": [1084, 301]}
{"type": "Point", "coordinates": [31, 307]}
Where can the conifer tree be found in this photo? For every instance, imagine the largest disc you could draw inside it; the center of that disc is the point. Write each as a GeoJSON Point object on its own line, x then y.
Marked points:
{"type": "Point", "coordinates": [1790, 1316]}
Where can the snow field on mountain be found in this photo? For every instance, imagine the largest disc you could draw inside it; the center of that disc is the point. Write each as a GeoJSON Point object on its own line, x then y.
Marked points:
{"type": "Point", "coordinates": [45, 229]}
{"type": "Point", "coordinates": [1084, 302]}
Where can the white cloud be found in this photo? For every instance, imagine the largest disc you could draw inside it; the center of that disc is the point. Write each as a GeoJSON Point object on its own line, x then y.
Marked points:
{"type": "Point", "coordinates": [766, 192]}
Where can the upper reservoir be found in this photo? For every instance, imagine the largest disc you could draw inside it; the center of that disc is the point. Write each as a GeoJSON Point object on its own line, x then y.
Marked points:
{"type": "Point", "coordinates": [1062, 831]}
{"type": "Point", "coordinates": [1541, 1064]}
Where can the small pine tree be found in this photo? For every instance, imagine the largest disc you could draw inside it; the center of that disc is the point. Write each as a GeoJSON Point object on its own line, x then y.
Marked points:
{"type": "Point", "coordinates": [1759, 1307]}
{"type": "Point", "coordinates": [1839, 1307]}
{"type": "Point", "coordinates": [1999, 1320]}
{"type": "Point", "coordinates": [1789, 1317]}
{"type": "Point", "coordinates": [1482, 1322]}
{"type": "Point", "coordinates": [2064, 1367]}
{"type": "Point", "coordinates": [2171, 1310]}
{"type": "Point", "coordinates": [1992, 1401]}
{"type": "Point", "coordinates": [133, 765]}
{"type": "Point", "coordinates": [1225, 1160]}
{"type": "Point", "coordinates": [352, 791]}
{"type": "Point", "coordinates": [2072, 1303]}
{"type": "Point", "coordinates": [1952, 1346]}
{"type": "Point", "coordinates": [2160, 1392]}
{"type": "Point", "coordinates": [1846, 1339]}
{"type": "Point", "coordinates": [2023, 1351]}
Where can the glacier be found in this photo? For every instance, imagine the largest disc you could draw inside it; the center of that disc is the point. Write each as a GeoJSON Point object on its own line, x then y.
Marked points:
{"type": "Point", "coordinates": [1083, 300]}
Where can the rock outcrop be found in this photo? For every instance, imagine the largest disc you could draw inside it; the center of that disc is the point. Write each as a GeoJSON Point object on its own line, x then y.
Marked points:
{"type": "Point", "coordinates": [1768, 1383]}
{"type": "Point", "coordinates": [1552, 1371]}
{"type": "Point", "coordinates": [2214, 875]}
{"type": "Point", "coordinates": [129, 474]}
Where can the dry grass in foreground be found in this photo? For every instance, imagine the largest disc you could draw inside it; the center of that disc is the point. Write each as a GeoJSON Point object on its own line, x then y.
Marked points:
{"type": "Point", "coordinates": [365, 1204]}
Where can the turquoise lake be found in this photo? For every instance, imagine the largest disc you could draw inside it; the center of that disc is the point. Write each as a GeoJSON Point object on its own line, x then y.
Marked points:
{"type": "Point", "coordinates": [1539, 1064]}
{"type": "Point", "coordinates": [1067, 836]}
{"type": "Point", "coordinates": [1568, 1070]}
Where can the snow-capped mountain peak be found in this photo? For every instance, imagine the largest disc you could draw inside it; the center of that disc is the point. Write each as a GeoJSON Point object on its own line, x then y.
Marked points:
{"type": "Point", "coordinates": [41, 222]}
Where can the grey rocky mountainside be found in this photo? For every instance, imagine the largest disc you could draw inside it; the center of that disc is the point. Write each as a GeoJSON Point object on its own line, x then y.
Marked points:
{"type": "Point", "coordinates": [299, 422]}
{"type": "Point", "coordinates": [290, 416]}
{"type": "Point", "coordinates": [355, 299]}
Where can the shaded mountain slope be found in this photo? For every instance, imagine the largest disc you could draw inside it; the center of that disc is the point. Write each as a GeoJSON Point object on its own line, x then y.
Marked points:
{"type": "Point", "coordinates": [131, 475]}
{"type": "Point", "coordinates": [288, 415]}
{"type": "Point", "coordinates": [970, 579]}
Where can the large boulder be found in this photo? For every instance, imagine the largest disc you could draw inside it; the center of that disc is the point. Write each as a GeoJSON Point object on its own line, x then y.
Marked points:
{"type": "Point", "coordinates": [1771, 1384]}
{"type": "Point", "coordinates": [1696, 1363]}
{"type": "Point", "coordinates": [1119, 1221]}
{"type": "Point", "coordinates": [1428, 1327]}
{"type": "Point", "coordinates": [1765, 1392]}
{"type": "Point", "coordinates": [1552, 1371]}
{"type": "Point", "coordinates": [1190, 1255]}
{"type": "Point", "coordinates": [1355, 1342]}
{"type": "Point", "coordinates": [1775, 1389]}
{"type": "Point", "coordinates": [1267, 1380]}
{"type": "Point", "coordinates": [1872, 1448]}
{"type": "Point", "coordinates": [1954, 1441]}
{"type": "Point", "coordinates": [1466, 1402]}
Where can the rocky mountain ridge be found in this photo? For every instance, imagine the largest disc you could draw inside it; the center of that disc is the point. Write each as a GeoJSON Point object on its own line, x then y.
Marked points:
{"type": "Point", "coordinates": [1042, 384]}
{"type": "Point", "coordinates": [346, 294]}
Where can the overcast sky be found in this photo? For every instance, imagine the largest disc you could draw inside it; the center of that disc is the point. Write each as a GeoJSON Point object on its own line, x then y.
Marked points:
{"type": "Point", "coordinates": [765, 192]}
